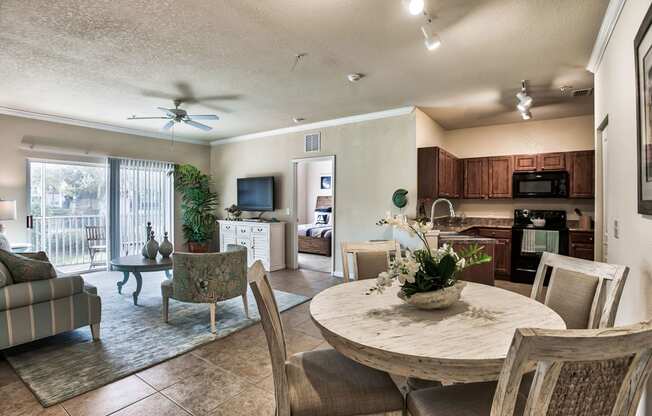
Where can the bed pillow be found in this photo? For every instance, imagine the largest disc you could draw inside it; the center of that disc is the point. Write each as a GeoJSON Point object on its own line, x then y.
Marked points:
{"type": "Point", "coordinates": [321, 218]}
{"type": "Point", "coordinates": [327, 209]}
{"type": "Point", "coordinates": [24, 269]}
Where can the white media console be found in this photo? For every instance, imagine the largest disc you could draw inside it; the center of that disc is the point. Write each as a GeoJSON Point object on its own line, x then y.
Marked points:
{"type": "Point", "coordinates": [265, 241]}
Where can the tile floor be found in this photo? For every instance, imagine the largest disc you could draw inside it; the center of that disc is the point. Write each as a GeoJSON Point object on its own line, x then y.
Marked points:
{"type": "Point", "coordinates": [231, 376]}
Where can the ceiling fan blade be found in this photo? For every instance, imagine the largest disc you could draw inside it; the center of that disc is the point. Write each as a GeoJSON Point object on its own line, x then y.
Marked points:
{"type": "Point", "coordinates": [198, 125]}
{"type": "Point", "coordinates": [168, 125]}
{"type": "Point", "coordinates": [147, 118]}
{"type": "Point", "coordinates": [203, 116]}
{"type": "Point", "coordinates": [167, 111]}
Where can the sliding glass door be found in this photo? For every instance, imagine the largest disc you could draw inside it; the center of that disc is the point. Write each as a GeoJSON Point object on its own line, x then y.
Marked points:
{"type": "Point", "coordinates": [65, 199]}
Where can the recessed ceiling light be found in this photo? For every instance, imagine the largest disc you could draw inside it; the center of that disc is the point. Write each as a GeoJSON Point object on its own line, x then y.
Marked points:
{"type": "Point", "coordinates": [355, 77]}
{"type": "Point", "coordinates": [298, 120]}
{"type": "Point", "coordinates": [415, 7]}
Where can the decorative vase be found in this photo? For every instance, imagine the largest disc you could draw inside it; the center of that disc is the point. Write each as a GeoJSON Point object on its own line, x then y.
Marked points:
{"type": "Point", "coordinates": [166, 248]}
{"type": "Point", "coordinates": [152, 247]}
{"type": "Point", "coordinates": [149, 233]}
{"type": "Point", "coordinates": [437, 299]}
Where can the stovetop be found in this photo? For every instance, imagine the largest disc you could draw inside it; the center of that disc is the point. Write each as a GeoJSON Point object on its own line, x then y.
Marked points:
{"type": "Point", "coordinates": [555, 219]}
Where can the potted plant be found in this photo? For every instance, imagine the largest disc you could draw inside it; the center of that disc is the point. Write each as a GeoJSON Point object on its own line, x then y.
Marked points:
{"type": "Point", "coordinates": [428, 277]}
{"type": "Point", "coordinates": [198, 204]}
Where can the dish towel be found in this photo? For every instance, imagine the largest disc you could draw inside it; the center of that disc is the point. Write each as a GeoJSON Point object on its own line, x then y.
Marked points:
{"type": "Point", "coordinates": [538, 241]}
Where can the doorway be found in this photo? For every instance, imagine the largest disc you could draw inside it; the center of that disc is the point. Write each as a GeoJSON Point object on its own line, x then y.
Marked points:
{"type": "Point", "coordinates": [65, 199]}
{"type": "Point", "coordinates": [313, 209]}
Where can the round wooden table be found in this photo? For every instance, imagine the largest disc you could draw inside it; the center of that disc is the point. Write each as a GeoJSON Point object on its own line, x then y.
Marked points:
{"type": "Point", "coordinates": [467, 342]}
{"type": "Point", "coordinates": [138, 265]}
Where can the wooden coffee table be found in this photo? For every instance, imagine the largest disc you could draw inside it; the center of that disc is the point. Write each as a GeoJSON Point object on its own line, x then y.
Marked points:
{"type": "Point", "coordinates": [137, 265]}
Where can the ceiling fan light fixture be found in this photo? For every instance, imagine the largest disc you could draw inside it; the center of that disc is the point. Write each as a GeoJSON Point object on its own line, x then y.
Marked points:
{"type": "Point", "coordinates": [415, 7]}
{"type": "Point", "coordinates": [431, 40]}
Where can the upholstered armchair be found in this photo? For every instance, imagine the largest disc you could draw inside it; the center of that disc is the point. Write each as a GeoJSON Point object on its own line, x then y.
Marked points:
{"type": "Point", "coordinates": [207, 278]}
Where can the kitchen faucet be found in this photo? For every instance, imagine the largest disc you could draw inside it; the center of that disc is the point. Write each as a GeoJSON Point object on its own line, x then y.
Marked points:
{"type": "Point", "coordinates": [434, 204]}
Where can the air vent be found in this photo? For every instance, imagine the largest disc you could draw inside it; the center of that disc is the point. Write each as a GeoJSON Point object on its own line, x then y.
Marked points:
{"type": "Point", "coordinates": [312, 142]}
{"type": "Point", "coordinates": [584, 92]}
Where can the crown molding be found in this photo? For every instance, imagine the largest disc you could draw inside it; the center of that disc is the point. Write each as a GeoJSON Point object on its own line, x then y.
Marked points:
{"type": "Point", "coordinates": [93, 125]}
{"type": "Point", "coordinates": [606, 29]}
{"type": "Point", "coordinates": [317, 125]}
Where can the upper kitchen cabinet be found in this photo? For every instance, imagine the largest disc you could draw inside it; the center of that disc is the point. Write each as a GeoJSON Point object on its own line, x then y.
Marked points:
{"type": "Point", "coordinates": [439, 174]}
{"type": "Point", "coordinates": [500, 176]}
{"type": "Point", "coordinates": [539, 162]}
{"type": "Point", "coordinates": [581, 172]}
{"type": "Point", "coordinates": [476, 178]}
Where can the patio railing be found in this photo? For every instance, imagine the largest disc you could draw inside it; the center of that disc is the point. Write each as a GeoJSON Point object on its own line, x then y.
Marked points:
{"type": "Point", "coordinates": [63, 238]}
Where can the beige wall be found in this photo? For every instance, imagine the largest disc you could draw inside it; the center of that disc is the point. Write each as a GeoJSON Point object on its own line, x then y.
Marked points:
{"type": "Point", "coordinates": [615, 98]}
{"type": "Point", "coordinates": [373, 158]}
{"type": "Point", "coordinates": [13, 160]}
{"type": "Point", "coordinates": [428, 132]}
{"type": "Point", "coordinates": [557, 135]}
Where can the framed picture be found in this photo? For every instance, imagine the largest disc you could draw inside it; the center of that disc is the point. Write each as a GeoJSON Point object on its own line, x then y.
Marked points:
{"type": "Point", "coordinates": [325, 182]}
{"type": "Point", "coordinates": [643, 56]}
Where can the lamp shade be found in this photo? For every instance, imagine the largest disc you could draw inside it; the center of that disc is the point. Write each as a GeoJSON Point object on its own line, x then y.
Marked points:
{"type": "Point", "coordinates": [7, 210]}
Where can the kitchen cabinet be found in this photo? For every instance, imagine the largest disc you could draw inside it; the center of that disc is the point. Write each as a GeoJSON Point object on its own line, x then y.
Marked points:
{"type": "Point", "coordinates": [581, 173]}
{"type": "Point", "coordinates": [502, 249]}
{"type": "Point", "coordinates": [476, 178]}
{"type": "Point", "coordinates": [581, 244]}
{"type": "Point", "coordinates": [439, 174]}
{"type": "Point", "coordinates": [482, 273]}
{"type": "Point", "coordinates": [551, 161]}
{"type": "Point", "coordinates": [500, 176]}
{"type": "Point", "coordinates": [525, 163]}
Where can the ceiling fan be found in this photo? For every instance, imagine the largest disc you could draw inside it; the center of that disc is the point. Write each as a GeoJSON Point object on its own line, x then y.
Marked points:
{"type": "Point", "coordinates": [177, 115]}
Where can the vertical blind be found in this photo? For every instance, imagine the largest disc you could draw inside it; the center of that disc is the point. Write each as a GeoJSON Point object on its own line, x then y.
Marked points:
{"type": "Point", "coordinates": [142, 192]}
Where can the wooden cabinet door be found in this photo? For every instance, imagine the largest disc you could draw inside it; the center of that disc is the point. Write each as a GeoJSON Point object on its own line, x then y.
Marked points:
{"type": "Point", "coordinates": [475, 181]}
{"type": "Point", "coordinates": [525, 163]}
{"type": "Point", "coordinates": [427, 172]}
{"type": "Point", "coordinates": [582, 251]}
{"type": "Point", "coordinates": [448, 173]}
{"type": "Point", "coordinates": [581, 172]}
{"type": "Point", "coordinates": [551, 161]}
{"type": "Point", "coordinates": [500, 176]}
{"type": "Point", "coordinates": [503, 253]}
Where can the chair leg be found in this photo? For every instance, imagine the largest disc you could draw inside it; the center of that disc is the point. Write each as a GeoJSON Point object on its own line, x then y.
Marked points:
{"type": "Point", "coordinates": [95, 331]}
{"type": "Point", "coordinates": [92, 256]}
{"type": "Point", "coordinates": [213, 307]}
{"type": "Point", "coordinates": [166, 305]}
{"type": "Point", "coordinates": [246, 304]}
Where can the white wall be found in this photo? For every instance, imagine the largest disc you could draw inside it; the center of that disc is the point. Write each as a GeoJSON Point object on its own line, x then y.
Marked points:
{"type": "Point", "coordinates": [13, 160]}
{"type": "Point", "coordinates": [615, 98]}
{"type": "Point", "coordinates": [373, 159]}
{"type": "Point", "coordinates": [312, 172]}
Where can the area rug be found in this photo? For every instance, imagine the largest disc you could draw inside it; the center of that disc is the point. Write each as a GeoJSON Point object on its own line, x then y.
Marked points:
{"type": "Point", "coordinates": [133, 338]}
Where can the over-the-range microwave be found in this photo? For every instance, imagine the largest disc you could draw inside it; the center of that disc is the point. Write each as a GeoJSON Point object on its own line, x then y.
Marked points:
{"type": "Point", "coordinates": [540, 184]}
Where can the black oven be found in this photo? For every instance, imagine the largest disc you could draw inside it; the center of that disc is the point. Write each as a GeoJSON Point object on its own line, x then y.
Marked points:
{"type": "Point", "coordinates": [540, 185]}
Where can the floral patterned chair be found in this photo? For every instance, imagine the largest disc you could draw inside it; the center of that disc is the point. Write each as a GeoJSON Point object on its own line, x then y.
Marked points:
{"type": "Point", "coordinates": [207, 278]}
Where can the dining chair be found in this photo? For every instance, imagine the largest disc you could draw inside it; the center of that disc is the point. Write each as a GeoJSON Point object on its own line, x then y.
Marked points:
{"type": "Point", "coordinates": [582, 372]}
{"type": "Point", "coordinates": [321, 382]}
{"type": "Point", "coordinates": [369, 258]}
{"type": "Point", "coordinates": [585, 293]}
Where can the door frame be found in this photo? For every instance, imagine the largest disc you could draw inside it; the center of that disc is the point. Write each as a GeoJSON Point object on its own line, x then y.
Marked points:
{"type": "Point", "coordinates": [601, 210]}
{"type": "Point", "coordinates": [294, 210]}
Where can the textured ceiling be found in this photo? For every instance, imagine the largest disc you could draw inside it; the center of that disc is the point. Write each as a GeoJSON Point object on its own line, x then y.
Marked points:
{"type": "Point", "coordinates": [104, 60]}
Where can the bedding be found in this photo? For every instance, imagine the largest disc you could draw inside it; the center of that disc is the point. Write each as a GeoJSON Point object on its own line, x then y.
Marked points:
{"type": "Point", "coordinates": [315, 230]}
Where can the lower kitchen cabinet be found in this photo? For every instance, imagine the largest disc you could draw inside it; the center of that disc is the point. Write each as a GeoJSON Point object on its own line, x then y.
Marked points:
{"type": "Point", "coordinates": [502, 250]}
{"type": "Point", "coordinates": [581, 244]}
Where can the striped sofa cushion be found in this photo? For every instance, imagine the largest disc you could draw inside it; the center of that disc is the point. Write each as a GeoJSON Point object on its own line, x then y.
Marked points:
{"type": "Point", "coordinates": [23, 294]}
{"type": "Point", "coordinates": [40, 320]}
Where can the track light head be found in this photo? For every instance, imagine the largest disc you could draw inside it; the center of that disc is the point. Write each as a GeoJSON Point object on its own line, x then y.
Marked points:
{"type": "Point", "coordinates": [431, 40]}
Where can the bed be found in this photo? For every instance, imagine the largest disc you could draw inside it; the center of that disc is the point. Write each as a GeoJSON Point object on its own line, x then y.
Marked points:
{"type": "Point", "coordinates": [315, 238]}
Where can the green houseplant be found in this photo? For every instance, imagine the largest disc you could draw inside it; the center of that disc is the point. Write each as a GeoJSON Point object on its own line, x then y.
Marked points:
{"type": "Point", "coordinates": [198, 204]}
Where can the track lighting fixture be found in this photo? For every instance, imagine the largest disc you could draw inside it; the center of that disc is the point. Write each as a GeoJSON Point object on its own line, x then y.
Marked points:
{"type": "Point", "coordinates": [524, 102]}
{"type": "Point", "coordinates": [431, 40]}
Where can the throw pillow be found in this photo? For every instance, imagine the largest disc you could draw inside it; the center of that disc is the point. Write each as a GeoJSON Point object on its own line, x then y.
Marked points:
{"type": "Point", "coordinates": [24, 269]}
{"type": "Point", "coordinates": [4, 243]}
{"type": "Point", "coordinates": [5, 276]}
{"type": "Point", "coordinates": [321, 219]}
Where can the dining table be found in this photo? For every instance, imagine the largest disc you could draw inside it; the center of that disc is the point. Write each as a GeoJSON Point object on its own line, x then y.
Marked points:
{"type": "Point", "coordinates": [464, 343]}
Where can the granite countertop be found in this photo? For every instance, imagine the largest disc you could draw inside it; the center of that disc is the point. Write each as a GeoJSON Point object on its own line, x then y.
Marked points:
{"type": "Point", "coordinates": [445, 224]}
{"type": "Point", "coordinates": [479, 240]}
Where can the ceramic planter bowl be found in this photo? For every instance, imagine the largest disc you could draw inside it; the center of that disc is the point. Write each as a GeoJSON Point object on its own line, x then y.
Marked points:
{"type": "Point", "coordinates": [437, 299]}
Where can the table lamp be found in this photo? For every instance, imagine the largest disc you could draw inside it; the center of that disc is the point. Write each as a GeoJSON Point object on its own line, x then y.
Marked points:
{"type": "Point", "coordinates": [7, 213]}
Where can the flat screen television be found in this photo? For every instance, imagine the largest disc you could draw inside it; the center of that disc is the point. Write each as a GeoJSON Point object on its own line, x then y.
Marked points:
{"type": "Point", "coordinates": [256, 194]}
